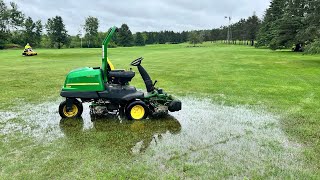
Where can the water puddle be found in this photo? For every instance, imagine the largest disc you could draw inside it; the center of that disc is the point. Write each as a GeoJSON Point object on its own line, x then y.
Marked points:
{"type": "Point", "coordinates": [226, 139]}
{"type": "Point", "coordinates": [5, 124]}
{"type": "Point", "coordinates": [202, 135]}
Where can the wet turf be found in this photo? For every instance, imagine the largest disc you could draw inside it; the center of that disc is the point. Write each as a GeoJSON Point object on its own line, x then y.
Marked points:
{"type": "Point", "coordinates": [248, 99]}
{"type": "Point", "coordinates": [208, 141]}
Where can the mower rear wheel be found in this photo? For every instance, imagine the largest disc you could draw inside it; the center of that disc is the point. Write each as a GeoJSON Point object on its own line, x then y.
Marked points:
{"type": "Point", "coordinates": [137, 110]}
{"type": "Point", "coordinates": [75, 112]}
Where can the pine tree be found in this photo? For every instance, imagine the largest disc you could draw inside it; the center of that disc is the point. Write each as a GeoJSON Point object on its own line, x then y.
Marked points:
{"type": "Point", "coordinates": [150, 38]}
{"type": "Point", "coordinates": [139, 40]}
{"type": "Point", "coordinates": [252, 28]}
{"type": "Point", "coordinates": [311, 22]}
{"type": "Point", "coordinates": [125, 37]}
{"type": "Point", "coordinates": [162, 38]}
{"type": "Point", "coordinates": [270, 22]}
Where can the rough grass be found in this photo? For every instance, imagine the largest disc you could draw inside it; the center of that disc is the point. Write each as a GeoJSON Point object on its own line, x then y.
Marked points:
{"type": "Point", "coordinates": [284, 83]}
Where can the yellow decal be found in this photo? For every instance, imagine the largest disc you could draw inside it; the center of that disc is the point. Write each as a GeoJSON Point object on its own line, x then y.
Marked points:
{"type": "Point", "coordinates": [82, 84]}
{"type": "Point", "coordinates": [110, 64]}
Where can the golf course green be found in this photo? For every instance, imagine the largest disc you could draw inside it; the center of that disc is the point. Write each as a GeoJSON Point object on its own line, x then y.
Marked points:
{"type": "Point", "coordinates": [269, 95]}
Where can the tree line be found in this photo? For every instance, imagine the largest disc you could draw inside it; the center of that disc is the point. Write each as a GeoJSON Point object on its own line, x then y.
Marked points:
{"type": "Point", "coordinates": [286, 23]}
{"type": "Point", "coordinates": [16, 29]}
{"type": "Point", "coordinates": [290, 23]}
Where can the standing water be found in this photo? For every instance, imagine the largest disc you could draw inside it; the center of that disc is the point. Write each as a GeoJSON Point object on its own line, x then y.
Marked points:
{"type": "Point", "coordinates": [213, 139]}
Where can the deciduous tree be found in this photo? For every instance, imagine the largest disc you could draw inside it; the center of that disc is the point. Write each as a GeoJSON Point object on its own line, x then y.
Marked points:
{"type": "Point", "coordinates": [195, 38]}
{"type": "Point", "coordinates": [32, 32]}
{"type": "Point", "coordinates": [91, 28]}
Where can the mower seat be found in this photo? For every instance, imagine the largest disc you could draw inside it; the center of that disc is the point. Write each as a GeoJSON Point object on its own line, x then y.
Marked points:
{"type": "Point", "coordinates": [120, 76]}
{"type": "Point", "coordinates": [118, 93]}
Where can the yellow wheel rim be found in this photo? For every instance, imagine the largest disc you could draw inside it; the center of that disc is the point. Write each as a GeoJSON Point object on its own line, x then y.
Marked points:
{"type": "Point", "coordinates": [74, 111]}
{"type": "Point", "coordinates": [137, 112]}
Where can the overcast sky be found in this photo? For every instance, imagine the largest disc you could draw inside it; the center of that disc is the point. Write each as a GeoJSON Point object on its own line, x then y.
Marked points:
{"type": "Point", "coordinates": [144, 15]}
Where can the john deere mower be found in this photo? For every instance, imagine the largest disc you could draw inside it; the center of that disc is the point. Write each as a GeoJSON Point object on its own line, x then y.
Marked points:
{"type": "Point", "coordinates": [109, 92]}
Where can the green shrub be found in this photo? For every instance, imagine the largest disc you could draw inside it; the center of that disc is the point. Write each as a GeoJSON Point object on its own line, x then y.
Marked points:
{"type": "Point", "coordinates": [313, 48]}
{"type": "Point", "coordinates": [11, 46]}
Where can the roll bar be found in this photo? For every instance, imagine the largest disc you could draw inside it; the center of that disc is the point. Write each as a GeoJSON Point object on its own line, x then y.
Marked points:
{"type": "Point", "coordinates": [105, 51]}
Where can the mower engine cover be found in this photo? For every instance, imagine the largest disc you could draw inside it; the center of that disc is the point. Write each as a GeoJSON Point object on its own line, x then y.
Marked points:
{"type": "Point", "coordinates": [84, 79]}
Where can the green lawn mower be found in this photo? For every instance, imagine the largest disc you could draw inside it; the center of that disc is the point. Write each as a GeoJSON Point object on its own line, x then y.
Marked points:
{"type": "Point", "coordinates": [109, 91]}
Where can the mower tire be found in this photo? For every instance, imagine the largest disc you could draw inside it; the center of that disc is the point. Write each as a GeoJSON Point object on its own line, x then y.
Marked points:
{"type": "Point", "coordinates": [75, 112]}
{"type": "Point", "coordinates": [137, 110]}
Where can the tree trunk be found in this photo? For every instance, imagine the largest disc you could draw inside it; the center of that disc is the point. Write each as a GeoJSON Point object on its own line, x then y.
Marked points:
{"type": "Point", "coordinates": [59, 45]}
{"type": "Point", "coordinates": [252, 42]}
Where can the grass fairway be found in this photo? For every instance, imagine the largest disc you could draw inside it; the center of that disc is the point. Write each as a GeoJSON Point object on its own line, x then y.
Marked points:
{"type": "Point", "coordinates": [284, 84]}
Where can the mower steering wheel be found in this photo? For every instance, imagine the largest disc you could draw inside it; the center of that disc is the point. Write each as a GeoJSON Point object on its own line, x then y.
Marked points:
{"type": "Point", "coordinates": [137, 62]}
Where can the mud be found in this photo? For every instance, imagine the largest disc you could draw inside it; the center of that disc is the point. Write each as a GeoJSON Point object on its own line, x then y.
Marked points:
{"type": "Point", "coordinates": [202, 134]}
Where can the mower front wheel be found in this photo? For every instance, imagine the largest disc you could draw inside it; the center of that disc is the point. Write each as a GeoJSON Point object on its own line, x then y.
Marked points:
{"type": "Point", "coordinates": [75, 111]}
{"type": "Point", "coordinates": [137, 110]}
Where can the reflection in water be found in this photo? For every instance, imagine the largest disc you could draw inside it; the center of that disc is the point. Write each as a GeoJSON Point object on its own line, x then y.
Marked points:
{"type": "Point", "coordinates": [132, 136]}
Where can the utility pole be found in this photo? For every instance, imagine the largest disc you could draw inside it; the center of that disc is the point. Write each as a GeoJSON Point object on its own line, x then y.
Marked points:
{"type": "Point", "coordinates": [229, 35]}
{"type": "Point", "coordinates": [81, 34]}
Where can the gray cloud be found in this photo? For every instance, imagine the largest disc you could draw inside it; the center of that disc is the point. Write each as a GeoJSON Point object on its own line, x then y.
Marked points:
{"type": "Point", "coordinates": [144, 15]}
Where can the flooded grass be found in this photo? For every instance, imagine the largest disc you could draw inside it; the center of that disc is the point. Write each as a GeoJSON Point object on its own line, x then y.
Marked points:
{"type": "Point", "coordinates": [203, 140]}
{"type": "Point", "coordinates": [219, 141]}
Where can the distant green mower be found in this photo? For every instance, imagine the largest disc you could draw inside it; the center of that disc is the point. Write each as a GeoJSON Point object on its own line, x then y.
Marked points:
{"type": "Point", "coordinates": [109, 91]}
